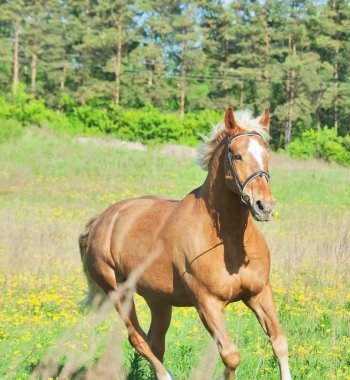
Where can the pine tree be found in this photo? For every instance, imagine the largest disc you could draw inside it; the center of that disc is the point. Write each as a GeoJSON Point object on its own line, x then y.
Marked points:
{"type": "Point", "coordinates": [12, 19]}
{"type": "Point", "coordinates": [332, 43]}
{"type": "Point", "coordinates": [187, 42]}
{"type": "Point", "coordinates": [6, 56]}
{"type": "Point", "coordinates": [152, 50]}
{"type": "Point", "coordinates": [219, 42]}
{"type": "Point", "coordinates": [56, 58]}
{"type": "Point", "coordinates": [33, 32]}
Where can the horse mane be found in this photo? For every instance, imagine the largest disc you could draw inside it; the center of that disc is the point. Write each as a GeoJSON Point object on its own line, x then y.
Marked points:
{"type": "Point", "coordinates": [244, 119]}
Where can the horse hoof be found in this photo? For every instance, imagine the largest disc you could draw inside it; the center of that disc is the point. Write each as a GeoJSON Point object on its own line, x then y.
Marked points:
{"type": "Point", "coordinates": [168, 376]}
{"type": "Point", "coordinates": [171, 376]}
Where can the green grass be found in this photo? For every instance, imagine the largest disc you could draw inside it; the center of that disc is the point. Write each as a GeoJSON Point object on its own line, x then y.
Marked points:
{"type": "Point", "coordinates": [50, 187]}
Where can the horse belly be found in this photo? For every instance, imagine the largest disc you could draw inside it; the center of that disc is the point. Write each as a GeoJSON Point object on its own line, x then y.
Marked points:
{"type": "Point", "coordinates": [176, 297]}
{"type": "Point", "coordinates": [160, 281]}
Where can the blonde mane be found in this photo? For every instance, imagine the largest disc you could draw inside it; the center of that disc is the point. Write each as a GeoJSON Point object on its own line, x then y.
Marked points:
{"type": "Point", "coordinates": [244, 119]}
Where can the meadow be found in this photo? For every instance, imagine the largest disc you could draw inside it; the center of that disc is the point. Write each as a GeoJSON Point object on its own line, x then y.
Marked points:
{"type": "Point", "coordinates": [49, 188]}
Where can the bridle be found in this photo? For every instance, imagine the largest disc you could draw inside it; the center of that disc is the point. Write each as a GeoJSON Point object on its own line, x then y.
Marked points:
{"type": "Point", "coordinates": [260, 173]}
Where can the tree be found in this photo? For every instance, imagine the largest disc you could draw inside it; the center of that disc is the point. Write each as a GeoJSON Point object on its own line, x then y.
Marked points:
{"type": "Point", "coordinates": [332, 43]}
{"type": "Point", "coordinates": [12, 19]}
{"type": "Point", "coordinates": [185, 55]}
{"type": "Point", "coordinates": [187, 43]}
{"type": "Point", "coordinates": [33, 31]}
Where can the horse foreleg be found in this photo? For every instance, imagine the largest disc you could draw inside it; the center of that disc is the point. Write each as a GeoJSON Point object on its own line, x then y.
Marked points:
{"type": "Point", "coordinates": [161, 317]}
{"type": "Point", "coordinates": [263, 305]}
{"type": "Point", "coordinates": [210, 313]}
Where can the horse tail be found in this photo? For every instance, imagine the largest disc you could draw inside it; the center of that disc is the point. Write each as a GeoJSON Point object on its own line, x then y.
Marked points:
{"type": "Point", "coordinates": [94, 290]}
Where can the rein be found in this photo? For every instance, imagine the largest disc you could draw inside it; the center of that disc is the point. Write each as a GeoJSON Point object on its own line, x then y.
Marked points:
{"type": "Point", "coordinates": [260, 173]}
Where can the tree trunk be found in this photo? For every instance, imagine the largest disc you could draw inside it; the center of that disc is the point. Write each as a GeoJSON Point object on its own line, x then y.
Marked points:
{"type": "Point", "coordinates": [267, 50]}
{"type": "Point", "coordinates": [33, 73]}
{"type": "Point", "coordinates": [159, 66]}
{"type": "Point", "coordinates": [241, 94]}
{"type": "Point", "coordinates": [287, 133]}
{"type": "Point", "coordinates": [183, 80]}
{"type": "Point", "coordinates": [291, 101]}
{"type": "Point", "coordinates": [84, 54]}
{"type": "Point", "coordinates": [158, 80]}
{"type": "Point", "coordinates": [150, 80]}
{"type": "Point", "coordinates": [336, 86]}
{"type": "Point", "coordinates": [267, 55]}
{"type": "Point", "coordinates": [292, 94]}
{"type": "Point", "coordinates": [150, 76]}
{"type": "Point", "coordinates": [118, 63]}
{"type": "Point", "coordinates": [63, 78]}
{"type": "Point", "coordinates": [15, 60]}
{"type": "Point", "coordinates": [62, 83]}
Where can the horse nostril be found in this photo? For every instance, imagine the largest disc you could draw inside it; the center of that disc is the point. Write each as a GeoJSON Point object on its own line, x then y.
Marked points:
{"type": "Point", "coordinates": [260, 205]}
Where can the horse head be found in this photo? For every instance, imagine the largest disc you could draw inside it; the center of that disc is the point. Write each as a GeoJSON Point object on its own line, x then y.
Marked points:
{"type": "Point", "coordinates": [246, 168]}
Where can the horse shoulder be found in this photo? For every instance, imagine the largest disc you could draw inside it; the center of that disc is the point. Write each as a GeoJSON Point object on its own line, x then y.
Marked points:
{"type": "Point", "coordinates": [198, 251]}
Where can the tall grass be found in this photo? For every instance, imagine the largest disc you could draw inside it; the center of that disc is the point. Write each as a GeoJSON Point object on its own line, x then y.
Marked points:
{"type": "Point", "coordinates": [49, 188]}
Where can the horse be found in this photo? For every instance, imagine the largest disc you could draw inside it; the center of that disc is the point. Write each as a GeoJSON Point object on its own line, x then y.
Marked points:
{"type": "Point", "coordinates": [203, 251]}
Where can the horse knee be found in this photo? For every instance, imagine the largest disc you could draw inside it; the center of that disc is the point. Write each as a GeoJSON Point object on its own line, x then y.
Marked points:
{"type": "Point", "coordinates": [280, 345]}
{"type": "Point", "coordinates": [231, 358]}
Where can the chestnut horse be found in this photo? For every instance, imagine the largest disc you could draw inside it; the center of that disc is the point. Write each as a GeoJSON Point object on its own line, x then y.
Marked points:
{"type": "Point", "coordinates": [209, 252]}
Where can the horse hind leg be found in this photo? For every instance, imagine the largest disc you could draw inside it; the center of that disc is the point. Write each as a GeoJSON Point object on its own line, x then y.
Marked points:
{"type": "Point", "coordinates": [140, 342]}
{"type": "Point", "coordinates": [160, 322]}
{"type": "Point", "coordinates": [105, 277]}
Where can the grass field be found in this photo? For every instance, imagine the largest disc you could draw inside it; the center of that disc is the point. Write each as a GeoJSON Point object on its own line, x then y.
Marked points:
{"type": "Point", "coordinates": [50, 187]}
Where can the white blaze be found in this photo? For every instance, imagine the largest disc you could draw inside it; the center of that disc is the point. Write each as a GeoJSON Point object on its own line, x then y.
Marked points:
{"type": "Point", "coordinates": [257, 151]}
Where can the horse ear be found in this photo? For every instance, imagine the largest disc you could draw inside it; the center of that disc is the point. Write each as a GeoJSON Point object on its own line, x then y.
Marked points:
{"type": "Point", "coordinates": [265, 120]}
{"type": "Point", "coordinates": [230, 122]}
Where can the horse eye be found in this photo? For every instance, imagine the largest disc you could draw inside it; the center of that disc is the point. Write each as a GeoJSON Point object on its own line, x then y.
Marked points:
{"type": "Point", "coordinates": [237, 157]}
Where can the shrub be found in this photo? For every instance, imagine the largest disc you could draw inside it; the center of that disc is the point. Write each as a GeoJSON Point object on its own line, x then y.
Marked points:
{"type": "Point", "coordinates": [324, 144]}
{"type": "Point", "coordinates": [147, 125]}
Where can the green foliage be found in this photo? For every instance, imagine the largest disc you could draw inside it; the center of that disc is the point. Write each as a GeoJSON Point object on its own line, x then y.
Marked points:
{"type": "Point", "coordinates": [324, 144]}
{"type": "Point", "coordinates": [147, 124]}
{"type": "Point", "coordinates": [150, 124]}
{"type": "Point", "coordinates": [179, 57]}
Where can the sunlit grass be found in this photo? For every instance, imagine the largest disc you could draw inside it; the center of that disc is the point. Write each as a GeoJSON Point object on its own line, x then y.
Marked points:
{"type": "Point", "coordinates": [50, 187]}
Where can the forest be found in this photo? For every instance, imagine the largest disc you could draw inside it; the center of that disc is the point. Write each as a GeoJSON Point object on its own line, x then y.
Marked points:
{"type": "Point", "coordinates": [183, 58]}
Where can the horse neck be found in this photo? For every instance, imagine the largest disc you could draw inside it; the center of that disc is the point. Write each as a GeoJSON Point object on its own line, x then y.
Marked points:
{"type": "Point", "coordinates": [224, 206]}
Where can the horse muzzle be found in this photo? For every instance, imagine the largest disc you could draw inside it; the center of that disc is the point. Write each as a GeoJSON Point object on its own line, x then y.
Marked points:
{"type": "Point", "coordinates": [262, 210]}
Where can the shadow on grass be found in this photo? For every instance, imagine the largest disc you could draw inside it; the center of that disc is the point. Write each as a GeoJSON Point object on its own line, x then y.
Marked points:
{"type": "Point", "coordinates": [78, 374]}
{"type": "Point", "coordinates": [139, 368]}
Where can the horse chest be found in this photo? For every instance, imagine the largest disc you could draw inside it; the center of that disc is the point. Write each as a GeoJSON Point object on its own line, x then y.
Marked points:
{"type": "Point", "coordinates": [229, 280]}
{"type": "Point", "coordinates": [254, 278]}
{"type": "Point", "coordinates": [233, 287]}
